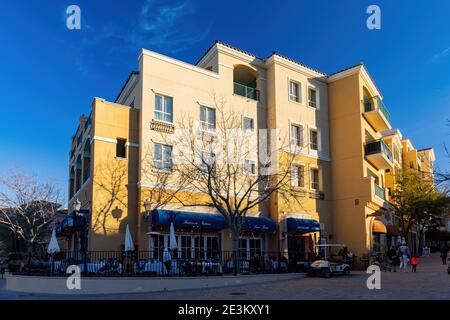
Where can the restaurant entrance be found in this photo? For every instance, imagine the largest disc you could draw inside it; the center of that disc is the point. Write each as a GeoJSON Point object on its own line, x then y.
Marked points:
{"type": "Point", "coordinates": [301, 247]}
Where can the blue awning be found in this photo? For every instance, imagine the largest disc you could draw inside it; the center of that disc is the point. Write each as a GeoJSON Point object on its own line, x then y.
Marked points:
{"type": "Point", "coordinates": [188, 219]}
{"type": "Point", "coordinates": [260, 224]}
{"type": "Point", "coordinates": [302, 225]}
{"type": "Point", "coordinates": [184, 219]}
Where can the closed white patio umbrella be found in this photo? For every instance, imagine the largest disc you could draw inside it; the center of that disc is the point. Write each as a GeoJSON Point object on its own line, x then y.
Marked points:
{"type": "Point", "coordinates": [53, 246]}
{"type": "Point", "coordinates": [129, 245]}
{"type": "Point", "coordinates": [173, 240]}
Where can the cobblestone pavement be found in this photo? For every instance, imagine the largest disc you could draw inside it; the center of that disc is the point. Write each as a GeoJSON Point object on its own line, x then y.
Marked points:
{"type": "Point", "coordinates": [430, 282]}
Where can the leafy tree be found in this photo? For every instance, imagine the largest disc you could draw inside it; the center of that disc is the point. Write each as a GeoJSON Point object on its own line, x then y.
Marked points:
{"type": "Point", "coordinates": [418, 204]}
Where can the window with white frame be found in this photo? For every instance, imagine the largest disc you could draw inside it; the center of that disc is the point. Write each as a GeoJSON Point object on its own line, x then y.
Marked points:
{"type": "Point", "coordinates": [249, 247]}
{"type": "Point", "coordinates": [250, 166]}
{"type": "Point", "coordinates": [298, 176]}
{"type": "Point", "coordinates": [315, 180]}
{"type": "Point", "coordinates": [207, 118]}
{"type": "Point", "coordinates": [163, 157]}
{"type": "Point", "coordinates": [297, 135]}
{"type": "Point", "coordinates": [313, 139]}
{"type": "Point", "coordinates": [163, 108]}
{"type": "Point", "coordinates": [312, 97]}
{"type": "Point", "coordinates": [248, 124]}
{"type": "Point", "coordinates": [294, 91]}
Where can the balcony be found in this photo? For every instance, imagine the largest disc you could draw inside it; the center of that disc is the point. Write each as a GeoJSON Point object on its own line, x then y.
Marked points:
{"type": "Point", "coordinates": [379, 154]}
{"type": "Point", "coordinates": [246, 91]}
{"type": "Point", "coordinates": [376, 113]}
{"type": "Point", "coordinates": [380, 192]}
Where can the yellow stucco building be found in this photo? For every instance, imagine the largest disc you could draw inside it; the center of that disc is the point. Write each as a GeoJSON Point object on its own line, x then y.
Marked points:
{"type": "Point", "coordinates": [338, 132]}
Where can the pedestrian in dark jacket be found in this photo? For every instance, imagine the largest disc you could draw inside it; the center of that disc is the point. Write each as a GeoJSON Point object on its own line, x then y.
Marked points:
{"type": "Point", "coordinates": [444, 254]}
{"type": "Point", "coordinates": [392, 255]}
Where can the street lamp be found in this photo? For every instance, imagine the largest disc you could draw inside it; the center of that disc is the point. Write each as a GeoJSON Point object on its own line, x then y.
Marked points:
{"type": "Point", "coordinates": [76, 205]}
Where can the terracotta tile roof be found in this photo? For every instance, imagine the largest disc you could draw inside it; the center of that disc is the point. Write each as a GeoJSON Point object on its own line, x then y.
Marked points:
{"type": "Point", "coordinates": [356, 65]}
{"type": "Point", "coordinates": [296, 62]}
{"type": "Point", "coordinates": [229, 46]}
{"type": "Point", "coordinates": [251, 54]}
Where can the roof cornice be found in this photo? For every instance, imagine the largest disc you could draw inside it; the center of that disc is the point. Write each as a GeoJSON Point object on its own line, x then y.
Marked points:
{"type": "Point", "coordinates": [288, 63]}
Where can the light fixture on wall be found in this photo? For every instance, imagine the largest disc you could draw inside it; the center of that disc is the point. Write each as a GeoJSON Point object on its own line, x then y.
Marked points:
{"type": "Point", "coordinates": [116, 213]}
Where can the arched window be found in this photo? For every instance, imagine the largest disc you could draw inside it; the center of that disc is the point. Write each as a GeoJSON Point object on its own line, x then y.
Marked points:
{"type": "Point", "coordinates": [244, 79]}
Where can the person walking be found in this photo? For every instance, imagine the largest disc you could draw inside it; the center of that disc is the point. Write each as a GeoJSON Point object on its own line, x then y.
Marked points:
{"type": "Point", "coordinates": [392, 255]}
{"type": "Point", "coordinates": [414, 263]}
{"type": "Point", "coordinates": [444, 254]}
{"type": "Point", "coordinates": [404, 256]}
{"type": "Point", "coordinates": [167, 260]}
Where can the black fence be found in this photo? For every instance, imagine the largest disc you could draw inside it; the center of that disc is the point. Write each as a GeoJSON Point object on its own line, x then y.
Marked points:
{"type": "Point", "coordinates": [158, 264]}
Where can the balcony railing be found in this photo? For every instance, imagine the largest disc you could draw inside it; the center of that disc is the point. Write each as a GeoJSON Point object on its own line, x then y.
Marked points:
{"type": "Point", "coordinates": [379, 147]}
{"type": "Point", "coordinates": [374, 103]}
{"type": "Point", "coordinates": [245, 91]}
{"type": "Point", "coordinates": [379, 192]}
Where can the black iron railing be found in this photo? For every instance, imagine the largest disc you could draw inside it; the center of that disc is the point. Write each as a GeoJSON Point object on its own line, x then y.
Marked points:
{"type": "Point", "coordinates": [155, 263]}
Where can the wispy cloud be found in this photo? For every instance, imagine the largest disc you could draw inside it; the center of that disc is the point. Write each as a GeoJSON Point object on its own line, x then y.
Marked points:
{"type": "Point", "coordinates": [161, 25]}
{"type": "Point", "coordinates": [158, 25]}
{"type": "Point", "coordinates": [442, 54]}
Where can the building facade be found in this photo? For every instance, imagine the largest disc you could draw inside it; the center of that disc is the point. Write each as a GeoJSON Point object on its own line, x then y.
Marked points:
{"type": "Point", "coordinates": [336, 128]}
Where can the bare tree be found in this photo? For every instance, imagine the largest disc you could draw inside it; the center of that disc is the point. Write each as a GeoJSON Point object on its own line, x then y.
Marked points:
{"type": "Point", "coordinates": [222, 164]}
{"type": "Point", "coordinates": [28, 207]}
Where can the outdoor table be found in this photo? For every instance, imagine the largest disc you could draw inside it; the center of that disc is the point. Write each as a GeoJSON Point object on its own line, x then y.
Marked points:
{"type": "Point", "coordinates": [154, 266]}
{"type": "Point", "coordinates": [94, 267]}
{"type": "Point", "coordinates": [210, 265]}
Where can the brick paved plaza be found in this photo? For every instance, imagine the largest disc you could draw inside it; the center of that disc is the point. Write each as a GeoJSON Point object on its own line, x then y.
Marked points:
{"type": "Point", "coordinates": [430, 282]}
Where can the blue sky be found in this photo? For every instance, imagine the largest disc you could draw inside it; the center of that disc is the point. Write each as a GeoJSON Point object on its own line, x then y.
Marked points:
{"type": "Point", "coordinates": [49, 74]}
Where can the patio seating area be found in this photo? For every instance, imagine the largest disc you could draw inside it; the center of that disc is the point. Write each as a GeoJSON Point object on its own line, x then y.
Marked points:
{"type": "Point", "coordinates": [151, 264]}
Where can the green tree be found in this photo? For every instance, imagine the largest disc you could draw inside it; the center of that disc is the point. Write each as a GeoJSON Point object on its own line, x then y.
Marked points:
{"type": "Point", "coordinates": [411, 196]}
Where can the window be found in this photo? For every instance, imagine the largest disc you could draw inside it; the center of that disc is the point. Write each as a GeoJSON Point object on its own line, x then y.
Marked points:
{"type": "Point", "coordinates": [312, 97]}
{"type": "Point", "coordinates": [411, 164]}
{"type": "Point", "coordinates": [298, 176]}
{"type": "Point", "coordinates": [315, 179]}
{"type": "Point", "coordinates": [297, 135]}
{"type": "Point", "coordinates": [121, 148]}
{"type": "Point", "coordinates": [207, 118]}
{"type": "Point", "coordinates": [294, 91]}
{"type": "Point", "coordinates": [249, 124]}
{"type": "Point", "coordinates": [163, 108]}
{"type": "Point", "coordinates": [314, 139]}
{"type": "Point", "coordinates": [163, 157]}
{"type": "Point", "coordinates": [249, 247]}
{"type": "Point", "coordinates": [250, 166]}
{"type": "Point", "coordinates": [207, 161]}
